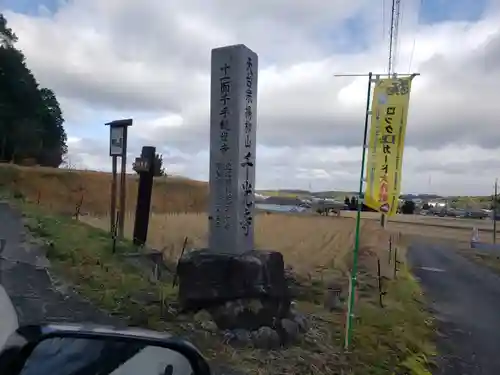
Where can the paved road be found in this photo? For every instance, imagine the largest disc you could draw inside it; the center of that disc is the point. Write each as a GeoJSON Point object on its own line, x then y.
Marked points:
{"type": "Point", "coordinates": [465, 298]}
{"type": "Point", "coordinates": [37, 294]}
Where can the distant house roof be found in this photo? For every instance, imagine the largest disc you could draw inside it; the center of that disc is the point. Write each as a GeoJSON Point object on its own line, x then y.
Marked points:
{"type": "Point", "coordinates": [259, 198]}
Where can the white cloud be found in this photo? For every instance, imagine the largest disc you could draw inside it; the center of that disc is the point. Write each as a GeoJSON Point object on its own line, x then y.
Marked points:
{"type": "Point", "coordinates": [150, 61]}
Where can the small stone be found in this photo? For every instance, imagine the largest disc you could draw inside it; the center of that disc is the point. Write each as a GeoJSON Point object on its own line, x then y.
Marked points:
{"type": "Point", "coordinates": [202, 316]}
{"type": "Point", "coordinates": [266, 338]}
{"type": "Point", "coordinates": [237, 338]}
{"type": "Point", "coordinates": [187, 326]}
{"type": "Point", "coordinates": [331, 300]}
{"type": "Point", "coordinates": [209, 326]}
{"type": "Point", "coordinates": [243, 336]}
{"type": "Point", "coordinates": [228, 336]}
{"type": "Point", "coordinates": [254, 305]}
{"type": "Point", "coordinates": [169, 312]}
{"type": "Point", "coordinates": [301, 321]}
{"type": "Point", "coordinates": [249, 314]}
{"type": "Point", "coordinates": [291, 329]}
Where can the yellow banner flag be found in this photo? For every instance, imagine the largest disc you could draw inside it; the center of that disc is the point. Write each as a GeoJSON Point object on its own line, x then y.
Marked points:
{"type": "Point", "coordinates": [391, 99]}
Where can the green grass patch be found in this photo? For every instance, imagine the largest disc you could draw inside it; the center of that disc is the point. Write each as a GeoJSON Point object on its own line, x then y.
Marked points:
{"type": "Point", "coordinates": [393, 340]}
{"type": "Point", "coordinates": [399, 336]}
{"type": "Point", "coordinates": [83, 255]}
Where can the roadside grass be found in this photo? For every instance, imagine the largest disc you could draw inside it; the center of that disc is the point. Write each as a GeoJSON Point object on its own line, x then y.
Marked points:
{"type": "Point", "coordinates": [392, 340]}
{"type": "Point", "coordinates": [488, 260]}
{"type": "Point", "coordinates": [400, 336]}
{"type": "Point", "coordinates": [83, 255]}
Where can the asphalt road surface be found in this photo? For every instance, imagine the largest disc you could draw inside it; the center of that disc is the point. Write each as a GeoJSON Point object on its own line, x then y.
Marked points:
{"type": "Point", "coordinates": [36, 293]}
{"type": "Point", "coordinates": [465, 299]}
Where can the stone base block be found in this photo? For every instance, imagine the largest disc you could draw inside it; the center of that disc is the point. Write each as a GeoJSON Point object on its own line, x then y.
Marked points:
{"type": "Point", "coordinates": [246, 291]}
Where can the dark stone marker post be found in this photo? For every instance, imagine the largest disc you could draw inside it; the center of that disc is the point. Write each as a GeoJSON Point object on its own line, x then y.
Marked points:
{"type": "Point", "coordinates": [145, 167]}
{"type": "Point", "coordinates": [241, 287]}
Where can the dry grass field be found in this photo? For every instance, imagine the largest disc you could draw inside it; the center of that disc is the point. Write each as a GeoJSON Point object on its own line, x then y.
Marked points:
{"type": "Point", "coordinates": [451, 222]}
{"type": "Point", "coordinates": [309, 244]}
{"type": "Point", "coordinates": [61, 190]}
{"type": "Point", "coordinates": [446, 228]}
{"type": "Point", "coordinates": [318, 250]}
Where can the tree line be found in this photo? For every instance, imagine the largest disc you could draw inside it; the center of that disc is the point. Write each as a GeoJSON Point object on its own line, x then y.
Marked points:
{"type": "Point", "coordinates": [31, 120]}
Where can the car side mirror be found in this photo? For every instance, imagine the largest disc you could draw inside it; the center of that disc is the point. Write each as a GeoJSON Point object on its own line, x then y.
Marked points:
{"type": "Point", "coordinates": [77, 349]}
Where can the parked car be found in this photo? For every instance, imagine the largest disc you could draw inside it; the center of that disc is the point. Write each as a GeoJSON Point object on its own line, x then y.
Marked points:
{"type": "Point", "coordinates": [451, 212]}
{"type": "Point", "coordinates": [476, 215]}
{"type": "Point", "coordinates": [444, 212]}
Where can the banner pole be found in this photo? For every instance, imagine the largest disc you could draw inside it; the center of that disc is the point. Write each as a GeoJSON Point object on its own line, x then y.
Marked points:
{"type": "Point", "coordinates": [495, 212]}
{"type": "Point", "coordinates": [354, 270]}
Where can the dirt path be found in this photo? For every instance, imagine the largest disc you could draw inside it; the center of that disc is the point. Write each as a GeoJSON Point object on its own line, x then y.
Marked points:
{"type": "Point", "coordinates": [465, 298]}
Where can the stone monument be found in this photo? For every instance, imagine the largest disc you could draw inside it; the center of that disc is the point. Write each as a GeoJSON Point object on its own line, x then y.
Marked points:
{"type": "Point", "coordinates": [241, 287]}
{"type": "Point", "coordinates": [233, 110]}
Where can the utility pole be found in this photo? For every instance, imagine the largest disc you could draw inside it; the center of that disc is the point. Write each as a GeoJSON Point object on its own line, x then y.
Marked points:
{"type": "Point", "coordinates": [495, 197]}
{"type": "Point", "coordinates": [393, 36]}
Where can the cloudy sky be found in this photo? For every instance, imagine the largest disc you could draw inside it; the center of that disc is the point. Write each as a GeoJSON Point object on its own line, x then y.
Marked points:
{"type": "Point", "coordinates": [150, 60]}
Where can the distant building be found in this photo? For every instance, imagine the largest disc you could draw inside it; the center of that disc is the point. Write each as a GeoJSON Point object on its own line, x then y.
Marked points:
{"type": "Point", "coordinates": [436, 204]}
{"type": "Point", "coordinates": [259, 198]}
{"type": "Point", "coordinates": [284, 201]}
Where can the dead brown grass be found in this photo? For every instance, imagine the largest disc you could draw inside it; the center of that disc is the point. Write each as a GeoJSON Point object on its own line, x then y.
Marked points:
{"type": "Point", "coordinates": [317, 248]}
{"type": "Point", "coordinates": [451, 222]}
{"type": "Point", "coordinates": [442, 228]}
{"type": "Point", "coordinates": [60, 190]}
{"type": "Point", "coordinates": [310, 244]}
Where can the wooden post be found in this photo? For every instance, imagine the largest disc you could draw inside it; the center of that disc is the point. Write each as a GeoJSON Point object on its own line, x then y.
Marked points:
{"type": "Point", "coordinates": [112, 213]}
{"type": "Point", "coordinates": [145, 166]}
{"type": "Point", "coordinates": [118, 147]}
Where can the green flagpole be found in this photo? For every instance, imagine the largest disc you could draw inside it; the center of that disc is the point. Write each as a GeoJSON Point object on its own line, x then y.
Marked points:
{"type": "Point", "coordinates": [354, 271]}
